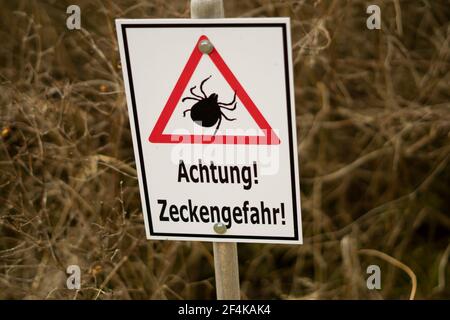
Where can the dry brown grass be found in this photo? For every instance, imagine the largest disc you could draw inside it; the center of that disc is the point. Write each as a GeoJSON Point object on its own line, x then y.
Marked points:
{"type": "Point", "coordinates": [373, 118]}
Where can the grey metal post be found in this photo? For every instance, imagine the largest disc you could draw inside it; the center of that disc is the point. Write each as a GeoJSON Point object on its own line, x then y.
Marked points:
{"type": "Point", "coordinates": [225, 253]}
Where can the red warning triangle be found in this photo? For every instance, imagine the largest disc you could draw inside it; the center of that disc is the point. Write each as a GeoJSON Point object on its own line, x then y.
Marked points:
{"type": "Point", "coordinates": [157, 135]}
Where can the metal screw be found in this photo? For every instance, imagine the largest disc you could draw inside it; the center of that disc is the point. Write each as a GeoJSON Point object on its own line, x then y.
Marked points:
{"type": "Point", "coordinates": [220, 228]}
{"type": "Point", "coordinates": [205, 46]}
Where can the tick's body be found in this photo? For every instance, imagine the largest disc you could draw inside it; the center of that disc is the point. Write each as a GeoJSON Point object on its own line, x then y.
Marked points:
{"type": "Point", "coordinates": [207, 110]}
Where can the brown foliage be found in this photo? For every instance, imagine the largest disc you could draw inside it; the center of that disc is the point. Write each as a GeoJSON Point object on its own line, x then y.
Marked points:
{"type": "Point", "coordinates": [373, 117]}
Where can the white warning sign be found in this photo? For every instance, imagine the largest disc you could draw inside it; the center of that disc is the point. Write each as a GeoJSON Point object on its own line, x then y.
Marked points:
{"type": "Point", "coordinates": [212, 115]}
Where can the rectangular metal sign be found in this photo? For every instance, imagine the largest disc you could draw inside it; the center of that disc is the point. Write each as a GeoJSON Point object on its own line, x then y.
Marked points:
{"type": "Point", "coordinates": [212, 115]}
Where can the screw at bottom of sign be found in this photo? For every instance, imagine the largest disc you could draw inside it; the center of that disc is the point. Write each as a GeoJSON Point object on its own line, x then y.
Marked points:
{"type": "Point", "coordinates": [220, 228]}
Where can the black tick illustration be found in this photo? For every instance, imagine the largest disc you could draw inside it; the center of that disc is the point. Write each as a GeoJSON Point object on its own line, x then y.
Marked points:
{"type": "Point", "coordinates": [207, 111]}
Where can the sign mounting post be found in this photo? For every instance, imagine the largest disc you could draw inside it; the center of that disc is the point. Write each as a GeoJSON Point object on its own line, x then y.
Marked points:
{"type": "Point", "coordinates": [226, 266]}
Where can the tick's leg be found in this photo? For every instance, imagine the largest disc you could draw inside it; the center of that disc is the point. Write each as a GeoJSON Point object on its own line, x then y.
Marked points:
{"type": "Point", "coordinates": [231, 109]}
{"type": "Point", "coordinates": [218, 125]}
{"type": "Point", "coordinates": [201, 86]}
{"type": "Point", "coordinates": [227, 117]}
{"type": "Point", "coordinates": [193, 93]}
{"type": "Point", "coordinates": [184, 112]}
{"type": "Point", "coordinates": [190, 98]}
{"type": "Point", "coordinates": [229, 104]}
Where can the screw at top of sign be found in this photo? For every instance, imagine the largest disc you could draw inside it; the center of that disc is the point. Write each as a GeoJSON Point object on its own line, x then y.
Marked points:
{"type": "Point", "coordinates": [220, 228]}
{"type": "Point", "coordinates": [205, 46]}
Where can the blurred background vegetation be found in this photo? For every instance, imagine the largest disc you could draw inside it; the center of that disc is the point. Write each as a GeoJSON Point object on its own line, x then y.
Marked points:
{"type": "Point", "coordinates": [373, 120]}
